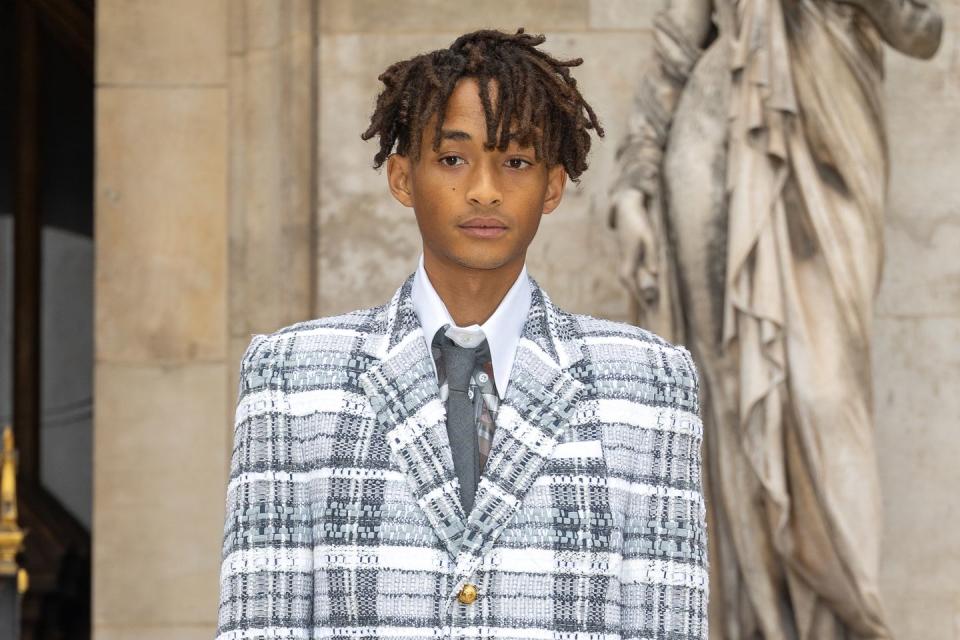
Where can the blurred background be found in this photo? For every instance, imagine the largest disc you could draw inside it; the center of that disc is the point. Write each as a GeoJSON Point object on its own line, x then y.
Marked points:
{"type": "Point", "coordinates": [176, 176]}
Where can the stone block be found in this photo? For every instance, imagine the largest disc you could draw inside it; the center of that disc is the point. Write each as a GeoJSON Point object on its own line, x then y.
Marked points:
{"type": "Point", "coordinates": [916, 447]}
{"type": "Point", "coordinates": [264, 23]}
{"type": "Point", "coordinates": [921, 273]}
{"type": "Point", "coordinates": [161, 224]}
{"type": "Point", "coordinates": [924, 613]}
{"type": "Point", "coordinates": [162, 454]}
{"type": "Point", "coordinates": [622, 15]}
{"type": "Point", "coordinates": [272, 133]}
{"type": "Point", "coordinates": [175, 42]}
{"type": "Point", "coordinates": [433, 16]}
{"type": "Point", "coordinates": [270, 243]}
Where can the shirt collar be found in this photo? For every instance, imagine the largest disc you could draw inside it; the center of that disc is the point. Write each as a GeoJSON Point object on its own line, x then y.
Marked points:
{"type": "Point", "coordinates": [502, 329]}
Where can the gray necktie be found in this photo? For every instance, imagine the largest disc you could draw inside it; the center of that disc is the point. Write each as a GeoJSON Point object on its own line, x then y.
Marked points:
{"type": "Point", "coordinates": [459, 363]}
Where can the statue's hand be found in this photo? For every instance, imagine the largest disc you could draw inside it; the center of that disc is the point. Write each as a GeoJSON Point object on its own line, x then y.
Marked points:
{"type": "Point", "coordinates": [637, 245]}
{"type": "Point", "coordinates": [912, 27]}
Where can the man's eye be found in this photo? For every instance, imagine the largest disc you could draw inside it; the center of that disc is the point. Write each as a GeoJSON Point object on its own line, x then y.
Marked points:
{"type": "Point", "coordinates": [517, 163]}
{"type": "Point", "coordinates": [444, 159]}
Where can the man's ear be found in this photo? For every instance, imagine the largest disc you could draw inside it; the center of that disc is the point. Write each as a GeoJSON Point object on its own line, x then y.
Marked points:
{"type": "Point", "coordinates": [556, 181]}
{"type": "Point", "coordinates": [399, 178]}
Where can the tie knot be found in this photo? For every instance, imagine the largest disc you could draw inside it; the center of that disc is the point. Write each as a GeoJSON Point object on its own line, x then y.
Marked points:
{"type": "Point", "coordinates": [458, 362]}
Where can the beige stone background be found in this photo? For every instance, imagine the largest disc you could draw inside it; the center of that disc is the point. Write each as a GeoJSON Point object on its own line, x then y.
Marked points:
{"type": "Point", "coordinates": [234, 195]}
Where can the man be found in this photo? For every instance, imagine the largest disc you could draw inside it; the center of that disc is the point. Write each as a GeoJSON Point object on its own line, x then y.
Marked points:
{"type": "Point", "coordinates": [468, 459]}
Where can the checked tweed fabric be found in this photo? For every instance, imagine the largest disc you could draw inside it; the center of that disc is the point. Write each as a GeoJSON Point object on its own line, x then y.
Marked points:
{"type": "Point", "coordinates": [342, 512]}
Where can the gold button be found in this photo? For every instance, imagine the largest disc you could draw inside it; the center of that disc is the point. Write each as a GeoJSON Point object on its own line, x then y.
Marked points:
{"type": "Point", "coordinates": [467, 594]}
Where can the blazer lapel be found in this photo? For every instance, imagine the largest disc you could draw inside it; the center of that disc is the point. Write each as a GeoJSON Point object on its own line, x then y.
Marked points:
{"type": "Point", "coordinates": [540, 399]}
{"type": "Point", "coordinates": [402, 389]}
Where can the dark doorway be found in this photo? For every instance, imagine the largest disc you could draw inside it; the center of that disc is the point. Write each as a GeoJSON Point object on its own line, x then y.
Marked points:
{"type": "Point", "coordinates": [46, 326]}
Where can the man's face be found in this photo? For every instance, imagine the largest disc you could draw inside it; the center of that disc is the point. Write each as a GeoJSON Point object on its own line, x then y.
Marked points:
{"type": "Point", "coordinates": [475, 208]}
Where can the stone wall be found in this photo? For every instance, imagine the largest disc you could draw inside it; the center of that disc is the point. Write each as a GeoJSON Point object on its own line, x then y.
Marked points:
{"type": "Point", "coordinates": [917, 344]}
{"type": "Point", "coordinates": [163, 402]}
{"type": "Point", "coordinates": [234, 195]}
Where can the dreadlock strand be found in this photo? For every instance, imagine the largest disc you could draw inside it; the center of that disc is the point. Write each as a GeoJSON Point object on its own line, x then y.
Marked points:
{"type": "Point", "coordinates": [442, 95]}
{"type": "Point", "coordinates": [536, 94]}
{"type": "Point", "coordinates": [505, 101]}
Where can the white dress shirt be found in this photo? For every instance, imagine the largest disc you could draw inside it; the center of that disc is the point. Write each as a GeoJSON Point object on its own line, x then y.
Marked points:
{"type": "Point", "coordinates": [502, 329]}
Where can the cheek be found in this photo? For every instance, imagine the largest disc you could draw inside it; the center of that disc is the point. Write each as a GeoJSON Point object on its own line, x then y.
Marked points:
{"type": "Point", "coordinates": [527, 201]}
{"type": "Point", "coordinates": [531, 224]}
{"type": "Point", "coordinates": [431, 189]}
{"type": "Point", "coordinates": [529, 221]}
{"type": "Point", "coordinates": [527, 190]}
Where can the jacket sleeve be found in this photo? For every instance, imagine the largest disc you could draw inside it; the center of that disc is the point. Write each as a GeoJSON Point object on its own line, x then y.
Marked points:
{"type": "Point", "coordinates": [266, 573]}
{"type": "Point", "coordinates": [664, 584]}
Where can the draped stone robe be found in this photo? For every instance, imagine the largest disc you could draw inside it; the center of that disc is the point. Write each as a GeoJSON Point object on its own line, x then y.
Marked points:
{"type": "Point", "coordinates": [806, 178]}
{"type": "Point", "coordinates": [791, 476]}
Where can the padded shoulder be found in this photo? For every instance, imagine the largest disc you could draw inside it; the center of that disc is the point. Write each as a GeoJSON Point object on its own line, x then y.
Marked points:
{"type": "Point", "coordinates": [592, 326]}
{"type": "Point", "coordinates": [308, 354]}
{"type": "Point", "coordinates": [678, 364]}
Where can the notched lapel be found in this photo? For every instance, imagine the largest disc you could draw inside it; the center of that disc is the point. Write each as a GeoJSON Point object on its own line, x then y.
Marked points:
{"type": "Point", "coordinates": [541, 398]}
{"type": "Point", "coordinates": [402, 388]}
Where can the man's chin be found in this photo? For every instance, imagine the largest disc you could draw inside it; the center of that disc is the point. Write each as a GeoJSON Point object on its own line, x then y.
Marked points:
{"type": "Point", "coordinates": [474, 256]}
{"type": "Point", "coordinates": [484, 261]}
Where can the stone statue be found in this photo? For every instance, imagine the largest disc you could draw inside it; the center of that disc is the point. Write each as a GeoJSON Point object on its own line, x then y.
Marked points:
{"type": "Point", "coordinates": [749, 214]}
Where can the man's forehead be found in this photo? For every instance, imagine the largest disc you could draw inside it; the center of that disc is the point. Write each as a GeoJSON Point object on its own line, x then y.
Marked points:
{"type": "Point", "coordinates": [464, 119]}
{"type": "Point", "coordinates": [459, 127]}
{"type": "Point", "coordinates": [461, 135]}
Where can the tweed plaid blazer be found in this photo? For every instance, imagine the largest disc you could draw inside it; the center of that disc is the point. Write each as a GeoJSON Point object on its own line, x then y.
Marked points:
{"type": "Point", "coordinates": [343, 518]}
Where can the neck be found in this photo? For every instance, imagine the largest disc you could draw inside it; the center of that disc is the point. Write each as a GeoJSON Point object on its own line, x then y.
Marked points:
{"type": "Point", "coordinates": [470, 295]}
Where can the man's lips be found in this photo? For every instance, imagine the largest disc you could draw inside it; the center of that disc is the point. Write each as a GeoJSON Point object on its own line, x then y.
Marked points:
{"type": "Point", "coordinates": [484, 223]}
{"type": "Point", "coordinates": [483, 227]}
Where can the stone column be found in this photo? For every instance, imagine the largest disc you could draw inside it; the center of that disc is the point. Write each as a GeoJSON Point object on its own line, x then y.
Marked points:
{"type": "Point", "coordinates": [161, 372]}
{"type": "Point", "coordinates": [204, 235]}
{"type": "Point", "coordinates": [272, 186]}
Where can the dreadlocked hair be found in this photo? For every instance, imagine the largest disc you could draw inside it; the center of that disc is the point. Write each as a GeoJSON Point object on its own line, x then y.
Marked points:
{"type": "Point", "coordinates": [534, 89]}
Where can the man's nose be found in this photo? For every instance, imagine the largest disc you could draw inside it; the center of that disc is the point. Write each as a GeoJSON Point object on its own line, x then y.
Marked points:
{"type": "Point", "coordinates": [484, 190]}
